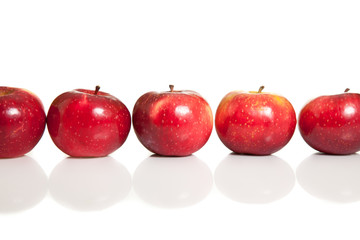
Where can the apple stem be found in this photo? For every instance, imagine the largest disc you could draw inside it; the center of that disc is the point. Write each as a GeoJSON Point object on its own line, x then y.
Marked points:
{"type": "Point", "coordinates": [347, 89]}
{"type": "Point", "coordinates": [97, 88]}
{"type": "Point", "coordinates": [171, 88]}
{"type": "Point", "coordinates": [260, 89]}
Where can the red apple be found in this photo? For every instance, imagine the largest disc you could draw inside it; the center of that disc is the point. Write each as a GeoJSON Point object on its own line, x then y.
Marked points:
{"type": "Point", "coordinates": [86, 123]}
{"type": "Point", "coordinates": [172, 123]}
{"type": "Point", "coordinates": [331, 124]}
{"type": "Point", "coordinates": [22, 121]}
{"type": "Point", "coordinates": [254, 122]}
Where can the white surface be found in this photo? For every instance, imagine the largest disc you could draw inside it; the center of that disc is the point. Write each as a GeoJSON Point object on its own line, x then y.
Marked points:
{"type": "Point", "coordinates": [300, 49]}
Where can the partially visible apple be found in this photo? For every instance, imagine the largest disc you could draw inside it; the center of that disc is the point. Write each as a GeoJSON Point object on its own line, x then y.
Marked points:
{"type": "Point", "coordinates": [88, 123]}
{"type": "Point", "coordinates": [255, 122]}
{"type": "Point", "coordinates": [331, 124]}
{"type": "Point", "coordinates": [172, 123]}
{"type": "Point", "coordinates": [22, 121]}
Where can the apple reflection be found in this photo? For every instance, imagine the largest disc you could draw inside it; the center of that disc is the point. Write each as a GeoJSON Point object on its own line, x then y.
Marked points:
{"type": "Point", "coordinates": [23, 184]}
{"type": "Point", "coordinates": [88, 184]}
{"type": "Point", "coordinates": [172, 182]}
{"type": "Point", "coordinates": [254, 179]}
{"type": "Point", "coordinates": [334, 178]}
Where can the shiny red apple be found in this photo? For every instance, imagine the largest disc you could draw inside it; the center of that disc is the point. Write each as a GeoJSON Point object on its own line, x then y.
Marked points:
{"type": "Point", "coordinates": [172, 123]}
{"type": "Point", "coordinates": [88, 123]}
{"type": "Point", "coordinates": [22, 121]}
{"type": "Point", "coordinates": [331, 124]}
{"type": "Point", "coordinates": [255, 122]}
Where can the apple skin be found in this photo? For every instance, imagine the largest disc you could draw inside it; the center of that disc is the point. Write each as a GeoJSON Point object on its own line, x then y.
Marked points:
{"type": "Point", "coordinates": [22, 121]}
{"type": "Point", "coordinates": [172, 123]}
{"type": "Point", "coordinates": [255, 123]}
{"type": "Point", "coordinates": [85, 123]}
{"type": "Point", "coordinates": [331, 124]}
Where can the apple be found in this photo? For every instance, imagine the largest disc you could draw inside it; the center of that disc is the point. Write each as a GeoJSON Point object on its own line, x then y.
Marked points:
{"type": "Point", "coordinates": [331, 124]}
{"type": "Point", "coordinates": [172, 123]}
{"type": "Point", "coordinates": [22, 121]}
{"type": "Point", "coordinates": [254, 122]}
{"type": "Point", "coordinates": [88, 123]}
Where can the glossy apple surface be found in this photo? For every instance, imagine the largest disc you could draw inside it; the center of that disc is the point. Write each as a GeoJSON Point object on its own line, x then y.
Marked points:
{"type": "Point", "coordinates": [87, 123]}
{"type": "Point", "coordinates": [172, 123]}
{"type": "Point", "coordinates": [331, 124]}
{"type": "Point", "coordinates": [255, 122]}
{"type": "Point", "coordinates": [22, 121]}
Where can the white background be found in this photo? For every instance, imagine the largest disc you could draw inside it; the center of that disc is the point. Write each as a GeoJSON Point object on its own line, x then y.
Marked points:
{"type": "Point", "coordinates": [299, 49]}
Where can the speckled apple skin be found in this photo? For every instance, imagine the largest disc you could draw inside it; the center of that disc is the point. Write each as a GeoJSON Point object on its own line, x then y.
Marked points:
{"type": "Point", "coordinates": [255, 123]}
{"type": "Point", "coordinates": [172, 123]}
{"type": "Point", "coordinates": [22, 121]}
{"type": "Point", "coordinates": [82, 124]}
{"type": "Point", "coordinates": [331, 124]}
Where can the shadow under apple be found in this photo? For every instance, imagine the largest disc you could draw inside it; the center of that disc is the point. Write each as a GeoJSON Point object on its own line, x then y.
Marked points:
{"type": "Point", "coordinates": [88, 184]}
{"type": "Point", "coordinates": [334, 178]}
{"type": "Point", "coordinates": [172, 182]}
{"type": "Point", "coordinates": [254, 179]}
{"type": "Point", "coordinates": [23, 184]}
